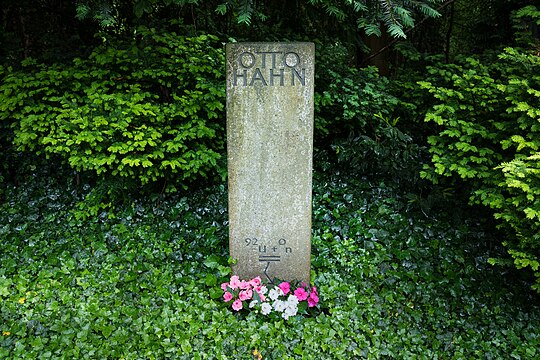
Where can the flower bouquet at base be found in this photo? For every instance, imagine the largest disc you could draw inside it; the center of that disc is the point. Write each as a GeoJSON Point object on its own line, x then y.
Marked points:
{"type": "Point", "coordinates": [285, 298]}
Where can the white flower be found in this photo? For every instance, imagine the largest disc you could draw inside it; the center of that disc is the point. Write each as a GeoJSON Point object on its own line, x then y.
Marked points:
{"type": "Point", "coordinates": [292, 300]}
{"type": "Point", "coordinates": [264, 290]}
{"type": "Point", "coordinates": [266, 308]}
{"type": "Point", "coordinates": [285, 315]}
{"type": "Point", "coordinates": [273, 294]}
{"type": "Point", "coordinates": [279, 305]}
{"type": "Point", "coordinates": [252, 304]}
{"type": "Point", "coordinates": [291, 311]}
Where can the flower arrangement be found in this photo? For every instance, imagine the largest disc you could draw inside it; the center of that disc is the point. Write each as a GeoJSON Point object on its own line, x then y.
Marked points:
{"type": "Point", "coordinates": [285, 298]}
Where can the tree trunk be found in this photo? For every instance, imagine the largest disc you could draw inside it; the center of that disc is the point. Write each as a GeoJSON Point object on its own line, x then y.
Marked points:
{"type": "Point", "coordinates": [379, 54]}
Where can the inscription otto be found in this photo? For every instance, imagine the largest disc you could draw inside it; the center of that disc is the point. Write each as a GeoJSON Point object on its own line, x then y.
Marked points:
{"type": "Point", "coordinates": [269, 68]}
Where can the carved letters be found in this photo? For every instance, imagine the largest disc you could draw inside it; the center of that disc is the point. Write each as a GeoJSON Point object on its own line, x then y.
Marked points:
{"type": "Point", "coordinates": [269, 68]}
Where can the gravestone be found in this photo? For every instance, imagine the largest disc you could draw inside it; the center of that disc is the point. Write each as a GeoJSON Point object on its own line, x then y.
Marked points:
{"type": "Point", "coordinates": [269, 152]}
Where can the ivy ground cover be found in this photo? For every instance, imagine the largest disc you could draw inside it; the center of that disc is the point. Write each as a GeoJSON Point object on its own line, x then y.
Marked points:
{"type": "Point", "coordinates": [143, 282]}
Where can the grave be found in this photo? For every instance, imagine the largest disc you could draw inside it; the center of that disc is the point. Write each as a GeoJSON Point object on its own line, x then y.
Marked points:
{"type": "Point", "coordinates": [269, 153]}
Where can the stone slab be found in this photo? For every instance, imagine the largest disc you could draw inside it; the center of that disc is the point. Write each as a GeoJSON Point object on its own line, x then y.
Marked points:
{"type": "Point", "coordinates": [269, 152]}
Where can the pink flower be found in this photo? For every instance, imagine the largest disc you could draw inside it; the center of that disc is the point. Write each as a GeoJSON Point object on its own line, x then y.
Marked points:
{"type": "Point", "coordinates": [255, 281]}
{"type": "Point", "coordinates": [301, 294]}
{"type": "Point", "coordinates": [235, 282]}
{"type": "Point", "coordinates": [285, 287]}
{"type": "Point", "coordinates": [237, 305]}
{"type": "Point", "coordinates": [224, 286]}
{"type": "Point", "coordinates": [313, 299]}
{"type": "Point", "coordinates": [244, 285]}
{"type": "Point", "coordinates": [245, 294]}
{"type": "Point", "coordinates": [227, 296]}
{"type": "Point", "coordinates": [258, 289]}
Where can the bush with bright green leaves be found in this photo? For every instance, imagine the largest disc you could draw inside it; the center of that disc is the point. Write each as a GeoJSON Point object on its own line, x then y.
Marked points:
{"type": "Point", "coordinates": [148, 107]}
{"type": "Point", "coordinates": [488, 136]}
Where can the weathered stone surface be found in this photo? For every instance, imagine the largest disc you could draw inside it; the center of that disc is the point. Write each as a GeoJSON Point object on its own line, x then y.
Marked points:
{"type": "Point", "coordinates": [269, 151]}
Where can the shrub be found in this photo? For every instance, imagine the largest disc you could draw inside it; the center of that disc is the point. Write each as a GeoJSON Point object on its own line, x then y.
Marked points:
{"type": "Point", "coordinates": [387, 153]}
{"type": "Point", "coordinates": [489, 137]}
{"type": "Point", "coordinates": [149, 108]}
{"type": "Point", "coordinates": [355, 123]}
{"type": "Point", "coordinates": [347, 101]}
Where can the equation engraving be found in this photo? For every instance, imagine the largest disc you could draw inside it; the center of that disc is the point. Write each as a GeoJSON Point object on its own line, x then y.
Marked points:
{"type": "Point", "coordinates": [269, 254]}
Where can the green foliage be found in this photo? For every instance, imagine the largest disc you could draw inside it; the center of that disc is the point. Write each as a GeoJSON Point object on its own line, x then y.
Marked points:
{"type": "Point", "coordinates": [115, 13]}
{"type": "Point", "coordinates": [526, 20]}
{"type": "Point", "coordinates": [354, 112]}
{"type": "Point", "coordinates": [6, 139]}
{"type": "Point", "coordinates": [348, 101]}
{"type": "Point", "coordinates": [392, 282]}
{"type": "Point", "coordinates": [387, 153]}
{"type": "Point", "coordinates": [242, 10]}
{"type": "Point", "coordinates": [147, 108]}
{"type": "Point", "coordinates": [396, 16]}
{"type": "Point", "coordinates": [101, 11]}
{"type": "Point", "coordinates": [489, 136]}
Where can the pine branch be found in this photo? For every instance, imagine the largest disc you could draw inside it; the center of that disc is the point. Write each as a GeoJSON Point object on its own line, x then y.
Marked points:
{"type": "Point", "coordinates": [383, 49]}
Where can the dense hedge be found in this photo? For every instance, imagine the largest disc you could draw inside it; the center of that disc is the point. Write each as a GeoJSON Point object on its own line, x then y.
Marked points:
{"type": "Point", "coordinates": [488, 117]}
{"type": "Point", "coordinates": [147, 107]}
{"type": "Point", "coordinates": [151, 107]}
{"type": "Point", "coordinates": [355, 121]}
